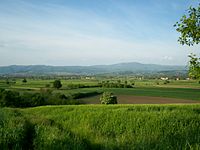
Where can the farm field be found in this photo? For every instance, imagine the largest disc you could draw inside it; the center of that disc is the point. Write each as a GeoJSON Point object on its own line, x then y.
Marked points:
{"type": "Point", "coordinates": [38, 83]}
{"type": "Point", "coordinates": [130, 99]}
{"type": "Point", "coordinates": [143, 91]}
{"type": "Point", "coordinates": [101, 127]}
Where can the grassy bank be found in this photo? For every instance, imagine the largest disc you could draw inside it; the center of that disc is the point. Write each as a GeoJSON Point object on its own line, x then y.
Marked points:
{"type": "Point", "coordinates": [101, 127]}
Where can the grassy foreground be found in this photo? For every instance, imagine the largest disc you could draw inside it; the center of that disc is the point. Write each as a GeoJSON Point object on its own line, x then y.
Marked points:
{"type": "Point", "coordinates": [101, 127]}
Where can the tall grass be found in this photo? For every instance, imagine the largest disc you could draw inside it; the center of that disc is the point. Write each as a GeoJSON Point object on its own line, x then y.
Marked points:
{"type": "Point", "coordinates": [102, 127]}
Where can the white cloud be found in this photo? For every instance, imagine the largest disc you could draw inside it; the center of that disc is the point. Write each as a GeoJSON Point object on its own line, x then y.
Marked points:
{"type": "Point", "coordinates": [168, 58]}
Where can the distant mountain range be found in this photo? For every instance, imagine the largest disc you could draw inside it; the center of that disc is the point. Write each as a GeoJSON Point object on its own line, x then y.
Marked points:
{"type": "Point", "coordinates": [132, 67]}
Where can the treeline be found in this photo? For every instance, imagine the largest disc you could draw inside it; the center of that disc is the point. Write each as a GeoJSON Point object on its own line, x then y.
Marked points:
{"type": "Point", "coordinates": [41, 77]}
{"type": "Point", "coordinates": [10, 98]}
{"type": "Point", "coordinates": [118, 84]}
{"type": "Point", "coordinates": [83, 95]}
{"type": "Point", "coordinates": [77, 86]}
{"type": "Point", "coordinates": [103, 84]}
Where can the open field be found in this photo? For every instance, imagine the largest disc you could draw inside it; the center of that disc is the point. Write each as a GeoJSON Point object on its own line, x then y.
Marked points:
{"type": "Point", "coordinates": [38, 83]}
{"type": "Point", "coordinates": [143, 91]}
{"type": "Point", "coordinates": [175, 93]}
{"type": "Point", "coordinates": [101, 127]}
{"type": "Point", "coordinates": [130, 99]}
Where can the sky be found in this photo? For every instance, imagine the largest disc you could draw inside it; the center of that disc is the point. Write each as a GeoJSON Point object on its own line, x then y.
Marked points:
{"type": "Point", "coordinates": [92, 32]}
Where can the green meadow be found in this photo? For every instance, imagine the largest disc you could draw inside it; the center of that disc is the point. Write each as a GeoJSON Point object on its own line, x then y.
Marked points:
{"type": "Point", "coordinates": [101, 127]}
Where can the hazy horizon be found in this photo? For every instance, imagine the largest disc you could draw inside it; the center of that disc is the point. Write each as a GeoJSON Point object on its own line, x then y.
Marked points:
{"type": "Point", "coordinates": [85, 33]}
{"type": "Point", "coordinates": [89, 65]}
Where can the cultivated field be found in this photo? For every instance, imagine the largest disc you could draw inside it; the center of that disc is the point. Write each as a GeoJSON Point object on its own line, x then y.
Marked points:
{"type": "Point", "coordinates": [143, 91]}
{"type": "Point", "coordinates": [130, 99]}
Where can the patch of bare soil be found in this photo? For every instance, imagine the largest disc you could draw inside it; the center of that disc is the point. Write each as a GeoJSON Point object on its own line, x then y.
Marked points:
{"type": "Point", "coordinates": [129, 99]}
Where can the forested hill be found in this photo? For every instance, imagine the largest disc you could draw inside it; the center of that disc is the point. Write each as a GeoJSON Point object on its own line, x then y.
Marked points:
{"type": "Point", "coordinates": [133, 67]}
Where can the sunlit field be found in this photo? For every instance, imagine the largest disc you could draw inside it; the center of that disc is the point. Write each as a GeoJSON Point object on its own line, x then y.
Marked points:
{"type": "Point", "coordinates": [101, 127]}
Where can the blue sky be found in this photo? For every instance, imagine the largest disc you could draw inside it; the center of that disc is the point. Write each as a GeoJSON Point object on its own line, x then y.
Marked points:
{"type": "Point", "coordinates": [91, 32]}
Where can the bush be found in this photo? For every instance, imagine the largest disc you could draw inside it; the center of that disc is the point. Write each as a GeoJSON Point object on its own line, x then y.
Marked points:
{"type": "Point", "coordinates": [166, 82]}
{"type": "Point", "coordinates": [115, 85]}
{"type": "Point", "coordinates": [47, 85]}
{"type": "Point", "coordinates": [77, 86]}
{"type": "Point", "coordinates": [15, 99]}
{"type": "Point", "coordinates": [57, 84]}
{"type": "Point", "coordinates": [9, 98]}
{"type": "Point", "coordinates": [108, 98]}
{"type": "Point", "coordinates": [24, 80]}
{"type": "Point", "coordinates": [83, 95]}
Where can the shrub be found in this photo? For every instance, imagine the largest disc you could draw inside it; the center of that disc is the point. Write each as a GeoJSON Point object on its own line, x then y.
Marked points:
{"type": "Point", "coordinates": [83, 95]}
{"type": "Point", "coordinates": [166, 82]}
{"type": "Point", "coordinates": [9, 98]}
{"type": "Point", "coordinates": [57, 84]}
{"type": "Point", "coordinates": [108, 98]}
{"type": "Point", "coordinates": [24, 80]}
{"type": "Point", "coordinates": [37, 99]}
{"type": "Point", "coordinates": [47, 85]}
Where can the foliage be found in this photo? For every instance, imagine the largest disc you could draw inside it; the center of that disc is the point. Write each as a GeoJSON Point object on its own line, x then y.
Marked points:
{"type": "Point", "coordinates": [166, 82]}
{"type": "Point", "coordinates": [194, 67]}
{"type": "Point", "coordinates": [47, 85]}
{"type": "Point", "coordinates": [85, 94]}
{"type": "Point", "coordinates": [15, 99]}
{"type": "Point", "coordinates": [117, 84]}
{"type": "Point", "coordinates": [57, 84]}
{"type": "Point", "coordinates": [24, 80]}
{"type": "Point", "coordinates": [9, 98]}
{"type": "Point", "coordinates": [77, 86]}
{"type": "Point", "coordinates": [189, 27]}
{"type": "Point", "coordinates": [108, 98]}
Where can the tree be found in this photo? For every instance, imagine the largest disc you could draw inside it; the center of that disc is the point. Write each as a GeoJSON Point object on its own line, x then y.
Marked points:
{"type": "Point", "coordinates": [24, 80]}
{"type": "Point", "coordinates": [9, 99]}
{"type": "Point", "coordinates": [108, 98]}
{"type": "Point", "coordinates": [57, 84]}
{"type": "Point", "coordinates": [194, 67]}
{"type": "Point", "coordinates": [189, 28]}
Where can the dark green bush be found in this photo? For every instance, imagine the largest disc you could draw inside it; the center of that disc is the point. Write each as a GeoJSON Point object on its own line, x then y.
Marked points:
{"type": "Point", "coordinates": [57, 84]}
{"type": "Point", "coordinates": [166, 81]}
{"type": "Point", "coordinates": [77, 86]}
{"type": "Point", "coordinates": [24, 80]}
{"type": "Point", "coordinates": [9, 98]}
{"type": "Point", "coordinates": [14, 99]}
{"type": "Point", "coordinates": [83, 95]}
{"type": "Point", "coordinates": [116, 85]}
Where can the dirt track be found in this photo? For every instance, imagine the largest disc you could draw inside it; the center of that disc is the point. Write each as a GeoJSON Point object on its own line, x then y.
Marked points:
{"type": "Point", "coordinates": [129, 99]}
